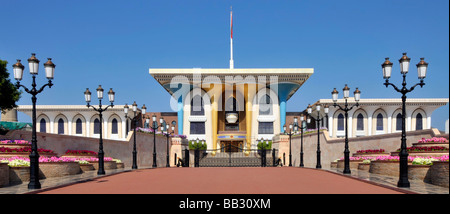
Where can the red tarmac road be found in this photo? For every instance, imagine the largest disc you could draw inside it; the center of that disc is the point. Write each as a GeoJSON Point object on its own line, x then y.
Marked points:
{"type": "Point", "coordinates": [271, 180]}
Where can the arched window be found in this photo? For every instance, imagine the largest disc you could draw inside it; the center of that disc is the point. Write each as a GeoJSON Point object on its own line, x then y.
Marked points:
{"type": "Point", "coordinates": [419, 122]}
{"type": "Point", "coordinates": [197, 106]}
{"type": "Point", "coordinates": [398, 121]}
{"type": "Point", "coordinates": [114, 127]}
{"type": "Point", "coordinates": [60, 126]}
{"type": "Point", "coordinates": [265, 105]}
{"type": "Point", "coordinates": [43, 125]}
{"type": "Point", "coordinates": [340, 122]}
{"type": "Point", "coordinates": [360, 122]}
{"type": "Point", "coordinates": [380, 122]}
{"type": "Point", "coordinates": [96, 126]}
{"type": "Point", "coordinates": [79, 126]}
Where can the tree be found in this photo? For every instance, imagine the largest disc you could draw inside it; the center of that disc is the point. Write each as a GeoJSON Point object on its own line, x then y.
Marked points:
{"type": "Point", "coordinates": [9, 93]}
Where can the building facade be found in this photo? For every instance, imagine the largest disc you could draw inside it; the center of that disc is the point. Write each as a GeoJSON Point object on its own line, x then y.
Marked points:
{"type": "Point", "coordinates": [380, 116]}
{"type": "Point", "coordinates": [79, 120]}
{"type": "Point", "coordinates": [230, 106]}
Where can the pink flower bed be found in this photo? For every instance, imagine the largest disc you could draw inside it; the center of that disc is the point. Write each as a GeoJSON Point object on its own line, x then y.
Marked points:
{"type": "Point", "coordinates": [410, 158]}
{"type": "Point", "coordinates": [425, 149]}
{"type": "Point", "coordinates": [433, 140]}
{"type": "Point", "coordinates": [80, 152]}
{"type": "Point", "coordinates": [397, 158]}
{"type": "Point", "coordinates": [14, 142]}
{"type": "Point", "coordinates": [370, 151]}
{"type": "Point", "coordinates": [26, 149]}
{"type": "Point", "coordinates": [55, 159]}
{"type": "Point", "coordinates": [359, 158]}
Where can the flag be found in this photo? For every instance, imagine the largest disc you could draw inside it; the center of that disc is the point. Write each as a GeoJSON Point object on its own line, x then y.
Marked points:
{"type": "Point", "coordinates": [231, 25]}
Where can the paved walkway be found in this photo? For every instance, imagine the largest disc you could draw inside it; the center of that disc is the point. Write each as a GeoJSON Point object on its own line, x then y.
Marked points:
{"type": "Point", "coordinates": [226, 181]}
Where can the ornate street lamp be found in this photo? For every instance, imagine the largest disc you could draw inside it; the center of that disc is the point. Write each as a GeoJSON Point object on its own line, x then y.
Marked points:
{"type": "Point", "coordinates": [155, 127]}
{"type": "Point", "coordinates": [346, 109]}
{"type": "Point", "coordinates": [302, 119]}
{"type": "Point", "coordinates": [318, 120]}
{"type": "Point", "coordinates": [421, 73]}
{"type": "Point", "coordinates": [100, 110]}
{"type": "Point", "coordinates": [18, 68]}
{"type": "Point", "coordinates": [135, 120]}
{"type": "Point", "coordinates": [168, 133]}
{"type": "Point", "coordinates": [292, 130]}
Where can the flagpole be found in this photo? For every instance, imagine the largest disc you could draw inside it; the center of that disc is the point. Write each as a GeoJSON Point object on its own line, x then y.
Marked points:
{"type": "Point", "coordinates": [231, 40]}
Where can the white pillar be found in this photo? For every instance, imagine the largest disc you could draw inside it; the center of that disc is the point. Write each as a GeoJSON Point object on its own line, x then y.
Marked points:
{"type": "Point", "coordinates": [369, 125]}
{"type": "Point", "coordinates": [124, 131]}
{"type": "Point", "coordinates": [330, 124]}
{"type": "Point", "coordinates": [408, 122]}
{"type": "Point", "coordinates": [105, 128]}
{"type": "Point", "coordinates": [389, 124]}
{"type": "Point", "coordinates": [350, 125]}
{"type": "Point", "coordinates": [69, 126]}
{"type": "Point", "coordinates": [52, 124]}
{"type": "Point", "coordinates": [88, 126]}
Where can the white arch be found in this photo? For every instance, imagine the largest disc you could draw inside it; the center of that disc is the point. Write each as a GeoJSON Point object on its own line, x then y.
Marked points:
{"type": "Point", "coordinates": [355, 131]}
{"type": "Point", "coordinates": [206, 118]}
{"type": "Point", "coordinates": [110, 135]}
{"type": "Point", "coordinates": [56, 124]}
{"type": "Point", "coordinates": [47, 122]}
{"type": "Point", "coordinates": [83, 124]}
{"type": "Point", "coordinates": [394, 120]}
{"type": "Point", "coordinates": [384, 122]}
{"type": "Point", "coordinates": [274, 117]}
{"type": "Point", "coordinates": [414, 119]}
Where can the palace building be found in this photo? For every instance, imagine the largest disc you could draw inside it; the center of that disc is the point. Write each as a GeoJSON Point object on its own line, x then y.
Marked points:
{"type": "Point", "coordinates": [231, 106]}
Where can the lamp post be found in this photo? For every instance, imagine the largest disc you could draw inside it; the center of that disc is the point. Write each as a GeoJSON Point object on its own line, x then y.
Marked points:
{"type": "Point", "coordinates": [18, 68]}
{"type": "Point", "coordinates": [302, 118]}
{"type": "Point", "coordinates": [346, 109]}
{"type": "Point", "coordinates": [421, 72]}
{"type": "Point", "coordinates": [134, 119]}
{"type": "Point", "coordinates": [155, 127]}
{"type": "Point", "coordinates": [167, 136]}
{"type": "Point", "coordinates": [100, 110]}
{"type": "Point", "coordinates": [318, 120]}
{"type": "Point", "coordinates": [290, 133]}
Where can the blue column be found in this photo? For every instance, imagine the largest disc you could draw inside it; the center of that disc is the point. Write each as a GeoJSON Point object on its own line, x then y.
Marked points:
{"type": "Point", "coordinates": [282, 112]}
{"type": "Point", "coordinates": [180, 115]}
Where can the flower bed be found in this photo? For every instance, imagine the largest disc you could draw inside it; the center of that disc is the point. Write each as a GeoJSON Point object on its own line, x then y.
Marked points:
{"type": "Point", "coordinates": [80, 154]}
{"type": "Point", "coordinates": [107, 162]}
{"type": "Point", "coordinates": [119, 164]}
{"type": "Point", "coordinates": [433, 140]}
{"type": "Point", "coordinates": [4, 174]}
{"type": "Point", "coordinates": [424, 151]}
{"type": "Point", "coordinates": [443, 142]}
{"type": "Point", "coordinates": [354, 161]}
{"type": "Point", "coordinates": [417, 166]}
{"type": "Point", "coordinates": [370, 153]}
{"type": "Point", "coordinates": [439, 173]}
{"type": "Point", "coordinates": [58, 169]}
{"type": "Point", "coordinates": [15, 142]}
{"type": "Point", "coordinates": [364, 166]}
{"type": "Point", "coordinates": [19, 174]}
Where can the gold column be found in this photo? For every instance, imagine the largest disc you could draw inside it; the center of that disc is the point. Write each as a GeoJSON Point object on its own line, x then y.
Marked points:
{"type": "Point", "coordinates": [214, 121]}
{"type": "Point", "coordinates": [248, 114]}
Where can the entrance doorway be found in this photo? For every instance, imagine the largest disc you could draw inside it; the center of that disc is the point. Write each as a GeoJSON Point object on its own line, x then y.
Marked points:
{"type": "Point", "coordinates": [231, 146]}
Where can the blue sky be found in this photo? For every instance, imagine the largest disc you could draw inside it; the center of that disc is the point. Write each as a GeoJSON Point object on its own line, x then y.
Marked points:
{"type": "Point", "coordinates": [114, 43]}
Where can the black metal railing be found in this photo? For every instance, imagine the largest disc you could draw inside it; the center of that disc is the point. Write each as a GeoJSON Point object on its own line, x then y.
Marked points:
{"type": "Point", "coordinates": [233, 156]}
